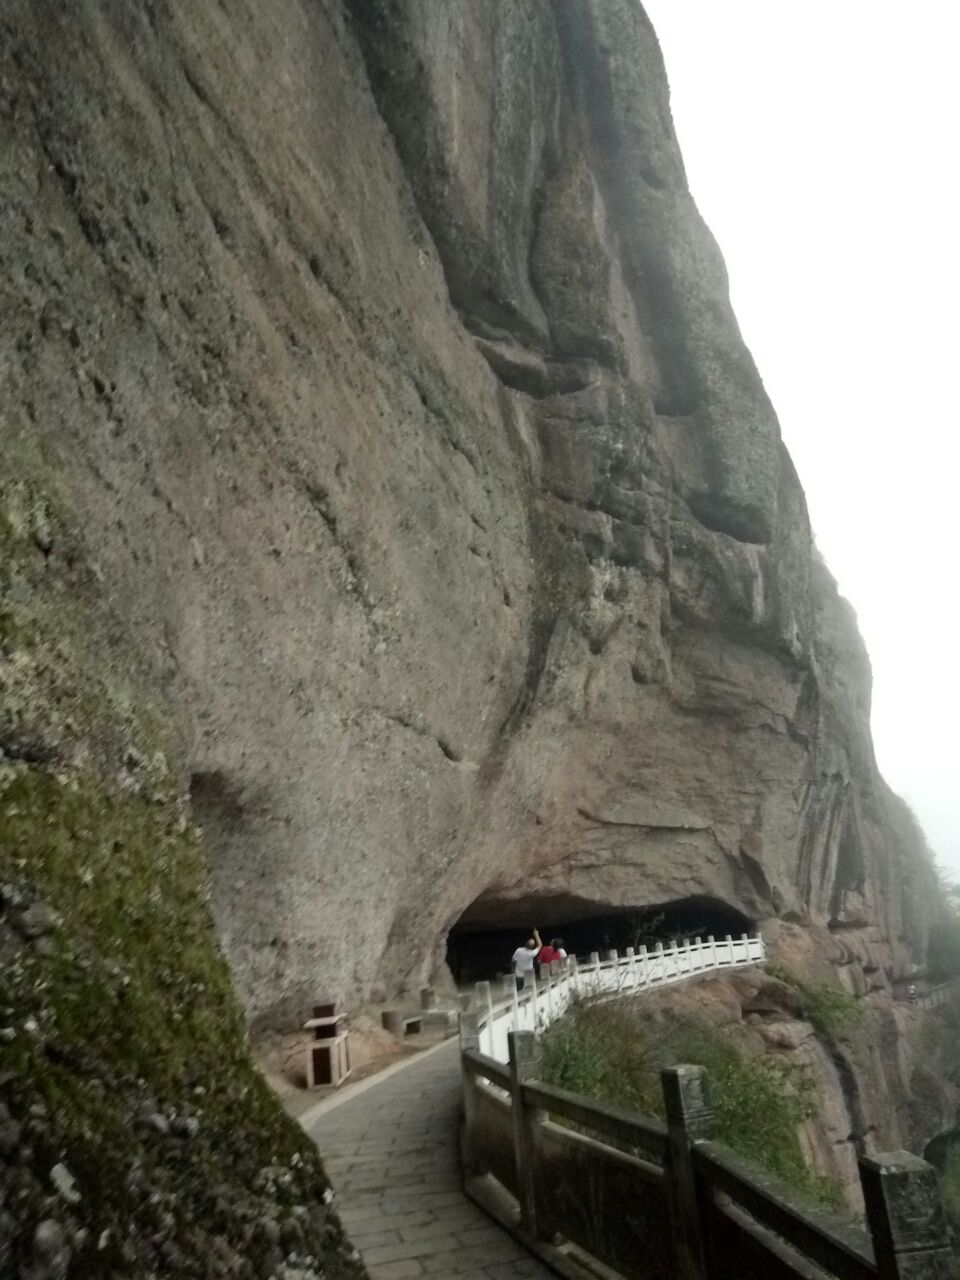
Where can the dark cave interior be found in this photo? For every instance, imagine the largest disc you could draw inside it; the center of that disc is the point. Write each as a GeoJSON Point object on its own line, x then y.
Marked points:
{"type": "Point", "coordinates": [481, 943]}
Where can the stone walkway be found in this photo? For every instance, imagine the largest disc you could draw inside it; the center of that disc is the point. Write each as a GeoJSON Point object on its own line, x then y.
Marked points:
{"type": "Point", "coordinates": [391, 1153]}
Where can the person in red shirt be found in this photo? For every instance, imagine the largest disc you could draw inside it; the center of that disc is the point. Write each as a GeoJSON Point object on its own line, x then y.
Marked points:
{"type": "Point", "coordinates": [551, 951]}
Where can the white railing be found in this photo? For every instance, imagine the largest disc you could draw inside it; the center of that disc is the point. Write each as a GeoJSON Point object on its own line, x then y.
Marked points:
{"type": "Point", "coordinates": [547, 996]}
{"type": "Point", "coordinates": [945, 993]}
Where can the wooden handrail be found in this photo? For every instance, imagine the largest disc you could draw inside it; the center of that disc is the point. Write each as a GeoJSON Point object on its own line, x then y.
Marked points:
{"type": "Point", "coordinates": [616, 1123]}
{"type": "Point", "coordinates": [478, 1064]}
{"type": "Point", "coordinates": [825, 1239]}
{"type": "Point", "coordinates": [705, 1183]}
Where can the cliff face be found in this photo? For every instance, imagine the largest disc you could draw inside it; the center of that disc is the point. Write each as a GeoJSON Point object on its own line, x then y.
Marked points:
{"type": "Point", "coordinates": [874, 1075]}
{"type": "Point", "coordinates": [384, 372]}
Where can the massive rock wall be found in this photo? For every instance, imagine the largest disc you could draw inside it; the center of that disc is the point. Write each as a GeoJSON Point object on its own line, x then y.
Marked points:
{"type": "Point", "coordinates": [388, 375]}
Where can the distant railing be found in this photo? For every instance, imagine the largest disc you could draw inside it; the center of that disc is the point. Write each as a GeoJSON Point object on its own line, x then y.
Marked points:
{"type": "Point", "coordinates": [545, 998]}
{"type": "Point", "coordinates": [595, 1190]}
{"type": "Point", "coordinates": [946, 993]}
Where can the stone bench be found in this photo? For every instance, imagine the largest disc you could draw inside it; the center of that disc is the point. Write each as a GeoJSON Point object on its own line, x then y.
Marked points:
{"type": "Point", "coordinates": [401, 1024]}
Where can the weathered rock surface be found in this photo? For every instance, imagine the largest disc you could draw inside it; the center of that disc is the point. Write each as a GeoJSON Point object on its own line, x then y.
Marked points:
{"type": "Point", "coordinates": [381, 364]}
{"type": "Point", "coordinates": [881, 1078]}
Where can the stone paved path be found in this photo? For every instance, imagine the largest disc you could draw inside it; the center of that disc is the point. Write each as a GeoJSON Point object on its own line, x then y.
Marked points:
{"type": "Point", "coordinates": [391, 1153]}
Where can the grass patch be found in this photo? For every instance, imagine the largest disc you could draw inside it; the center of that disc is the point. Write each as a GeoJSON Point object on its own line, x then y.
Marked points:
{"type": "Point", "coordinates": [831, 1009]}
{"type": "Point", "coordinates": [614, 1053]}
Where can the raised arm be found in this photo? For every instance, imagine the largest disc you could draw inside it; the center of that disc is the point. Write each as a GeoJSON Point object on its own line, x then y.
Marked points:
{"type": "Point", "coordinates": [537, 939]}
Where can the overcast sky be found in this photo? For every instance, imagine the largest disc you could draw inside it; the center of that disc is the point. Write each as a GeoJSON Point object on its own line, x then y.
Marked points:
{"type": "Point", "coordinates": [820, 141]}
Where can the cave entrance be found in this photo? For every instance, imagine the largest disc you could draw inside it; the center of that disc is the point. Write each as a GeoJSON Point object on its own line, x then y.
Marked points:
{"type": "Point", "coordinates": [480, 944]}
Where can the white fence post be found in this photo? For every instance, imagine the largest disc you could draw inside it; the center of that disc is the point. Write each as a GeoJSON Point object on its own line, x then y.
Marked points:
{"type": "Point", "coordinates": [614, 961]}
{"type": "Point", "coordinates": [729, 942]}
{"type": "Point", "coordinates": [595, 967]}
{"type": "Point", "coordinates": [547, 979]}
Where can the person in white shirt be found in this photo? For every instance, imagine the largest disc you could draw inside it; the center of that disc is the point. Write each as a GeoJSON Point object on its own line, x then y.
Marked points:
{"type": "Point", "coordinates": [524, 958]}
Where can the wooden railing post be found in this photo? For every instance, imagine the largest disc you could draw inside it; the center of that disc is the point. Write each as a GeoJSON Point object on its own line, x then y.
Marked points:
{"type": "Point", "coordinates": [485, 1009]}
{"type": "Point", "coordinates": [690, 1119]}
{"type": "Point", "coordinates": [470, 1030]}
{"type": "Point", "coordinates": [911, 1238]}
{"type": "Point", "coordinates": [523, 1067]}
{"type": "Point", "coordinates": [469, 1041]}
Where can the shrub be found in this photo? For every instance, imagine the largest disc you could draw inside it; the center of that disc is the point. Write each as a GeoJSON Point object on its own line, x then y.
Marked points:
{"type": "Point", "coordinates": [614, 1053]}
{"type": "Point", "coordinates": [825, 1004]}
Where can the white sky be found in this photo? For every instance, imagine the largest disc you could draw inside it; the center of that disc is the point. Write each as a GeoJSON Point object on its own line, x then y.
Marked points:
{"type": "Point", "coordinates": [820, 141]}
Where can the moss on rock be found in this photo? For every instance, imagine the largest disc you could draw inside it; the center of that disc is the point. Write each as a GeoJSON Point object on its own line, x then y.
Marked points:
{"type": "Point", "coordinates": [123, 1057]}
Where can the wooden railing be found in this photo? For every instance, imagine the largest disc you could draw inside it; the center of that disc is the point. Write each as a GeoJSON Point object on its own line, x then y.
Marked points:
{"type": "Point", "coordinates": [596, 1190]}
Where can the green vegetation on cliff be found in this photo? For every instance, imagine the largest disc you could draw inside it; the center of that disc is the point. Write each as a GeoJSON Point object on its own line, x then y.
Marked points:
{"type": "Point", "coordinates": [123, 1054]}
{"type": "Point", "coordinates": [831, 1009]}
{"type": "Point", "coordinates": [615, 1051]}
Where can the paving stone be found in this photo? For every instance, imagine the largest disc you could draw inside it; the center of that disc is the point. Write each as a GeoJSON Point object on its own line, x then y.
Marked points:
{"type": "Point", "coordinates": [397, 1270]}
{"type": "Point", "coordinates": [364, 1240]}
{"type": "Point", "coordinates": [442, 1226]}
{"type": "Point", "coordinates": [524, 1269]}
{"type": "Point", "coordinates": [457, 1261]}
{"type": "Point", "coordinates": [431, 1200]}
{"type": "Point", "coordinates": [410, 1249]}
{"type": "Point", "coordinates": [408, 1221]}
{"type": "Point", "coordinates": [477, 1236]}
{"type": "Point", "coordinates": [361, 1213]}
{"type": "Point", "coordinates": [452, 1221]}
